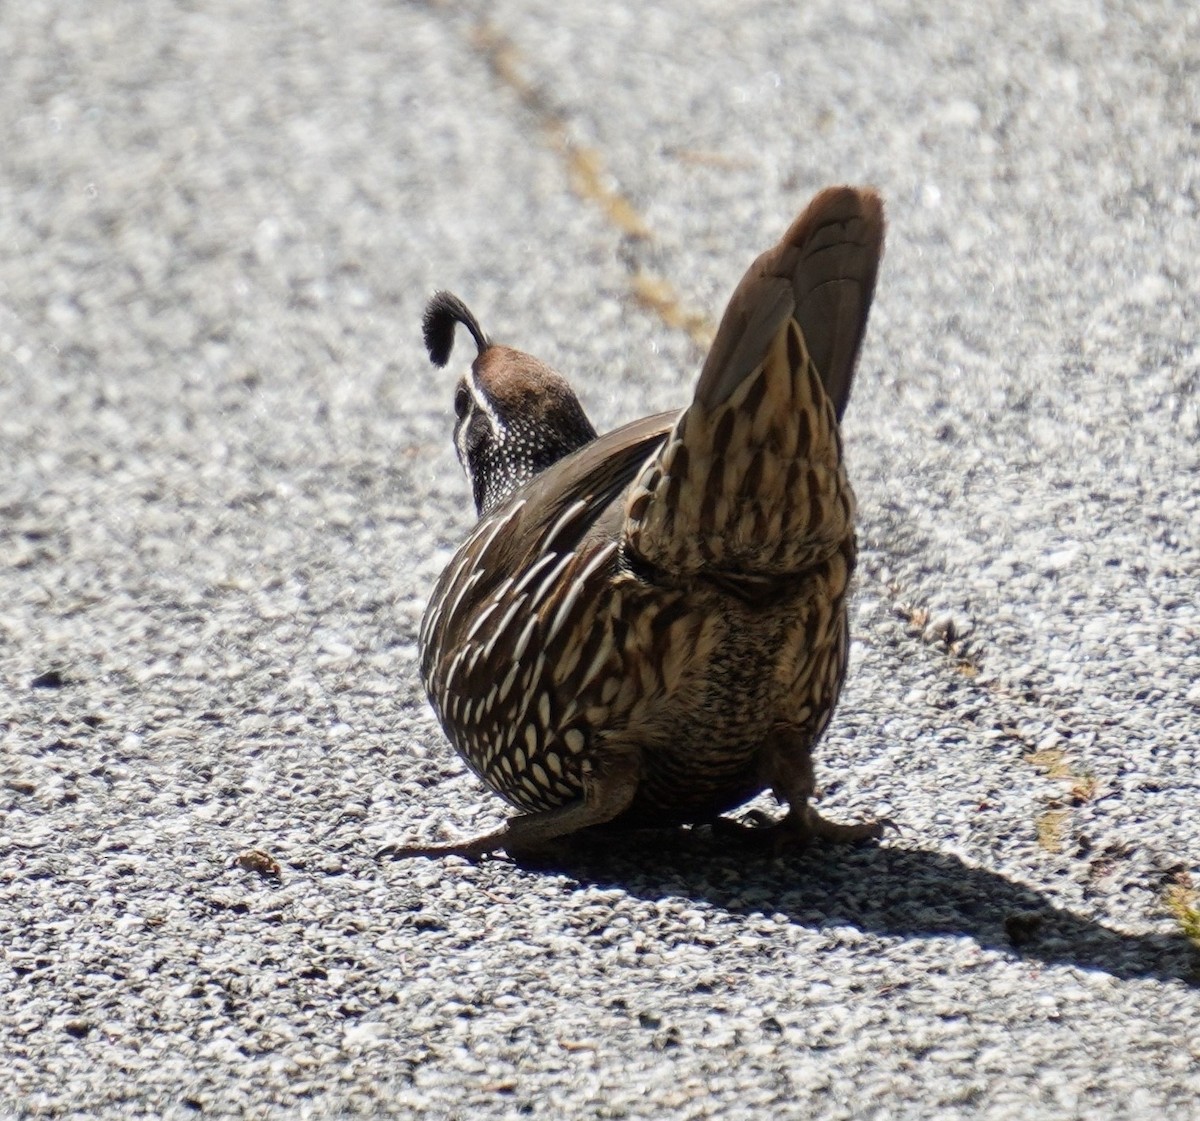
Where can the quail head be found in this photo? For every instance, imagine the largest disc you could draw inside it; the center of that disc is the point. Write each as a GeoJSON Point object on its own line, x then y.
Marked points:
{"type": "Point", "coordinates": [649, 626]}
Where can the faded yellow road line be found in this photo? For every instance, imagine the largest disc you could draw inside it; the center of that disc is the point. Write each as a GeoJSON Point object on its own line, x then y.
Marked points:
{"type": "Point", "coordinates": [590, 181]}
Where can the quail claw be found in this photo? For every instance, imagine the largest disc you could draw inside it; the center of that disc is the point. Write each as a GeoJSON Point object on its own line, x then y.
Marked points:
{"type": "Point", "coordinates": [471, 850]}
{"type": "Point", "coordinates": [796, 831]}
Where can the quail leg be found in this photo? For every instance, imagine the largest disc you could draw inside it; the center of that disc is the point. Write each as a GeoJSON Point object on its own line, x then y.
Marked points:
{"type": "Point", "coordinates": [789, 769]}
{"type": "Point", "coordinates": [793, 782]}
{"type": "Point", "coordinates": [605, 795]}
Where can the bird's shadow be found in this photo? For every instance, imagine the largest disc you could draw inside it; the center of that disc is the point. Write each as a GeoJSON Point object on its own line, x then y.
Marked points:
{"type": "Point", "coordinates": [890, 891]}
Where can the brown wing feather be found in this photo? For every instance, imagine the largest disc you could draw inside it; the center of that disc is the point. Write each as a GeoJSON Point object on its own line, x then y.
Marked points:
{"type": "Point", "coordinates": [593, 478]}
{"type": "Point", "coordinates": [507, 613]}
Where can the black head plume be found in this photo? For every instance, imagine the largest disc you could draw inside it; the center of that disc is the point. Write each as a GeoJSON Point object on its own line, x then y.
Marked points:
{"type": "Point", "coordinates": [442, 314]}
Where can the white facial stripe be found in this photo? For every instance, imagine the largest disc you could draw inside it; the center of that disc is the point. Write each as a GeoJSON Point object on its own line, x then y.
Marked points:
{"type": "Point", "coordinates": [483, 404]}
{"type": "Point", "coordinates": [479, 402]}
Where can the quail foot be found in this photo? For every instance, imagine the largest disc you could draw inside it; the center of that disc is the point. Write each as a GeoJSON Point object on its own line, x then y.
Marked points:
{"type": "Point", "coordinates": [649, 626]}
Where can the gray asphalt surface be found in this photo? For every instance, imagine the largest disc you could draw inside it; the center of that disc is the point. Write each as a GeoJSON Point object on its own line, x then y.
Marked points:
{"type": "Point", "coordinates": [227, 485]}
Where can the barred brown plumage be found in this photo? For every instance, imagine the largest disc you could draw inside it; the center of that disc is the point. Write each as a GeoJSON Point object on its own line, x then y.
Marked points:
{"type": "Point", "coordinates": [650, 626]}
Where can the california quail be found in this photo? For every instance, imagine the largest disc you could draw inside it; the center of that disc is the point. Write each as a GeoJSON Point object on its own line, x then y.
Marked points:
{"type": "Point", "coordinates": [650, 625]}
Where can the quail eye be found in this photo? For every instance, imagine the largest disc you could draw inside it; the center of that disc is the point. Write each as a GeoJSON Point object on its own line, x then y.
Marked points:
{"type": "Point", "coordinates": [462, 401]}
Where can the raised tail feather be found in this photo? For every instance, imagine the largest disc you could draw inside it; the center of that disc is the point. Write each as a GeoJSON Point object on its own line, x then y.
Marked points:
{"type": "Point", "coordinates": [750, 483]}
